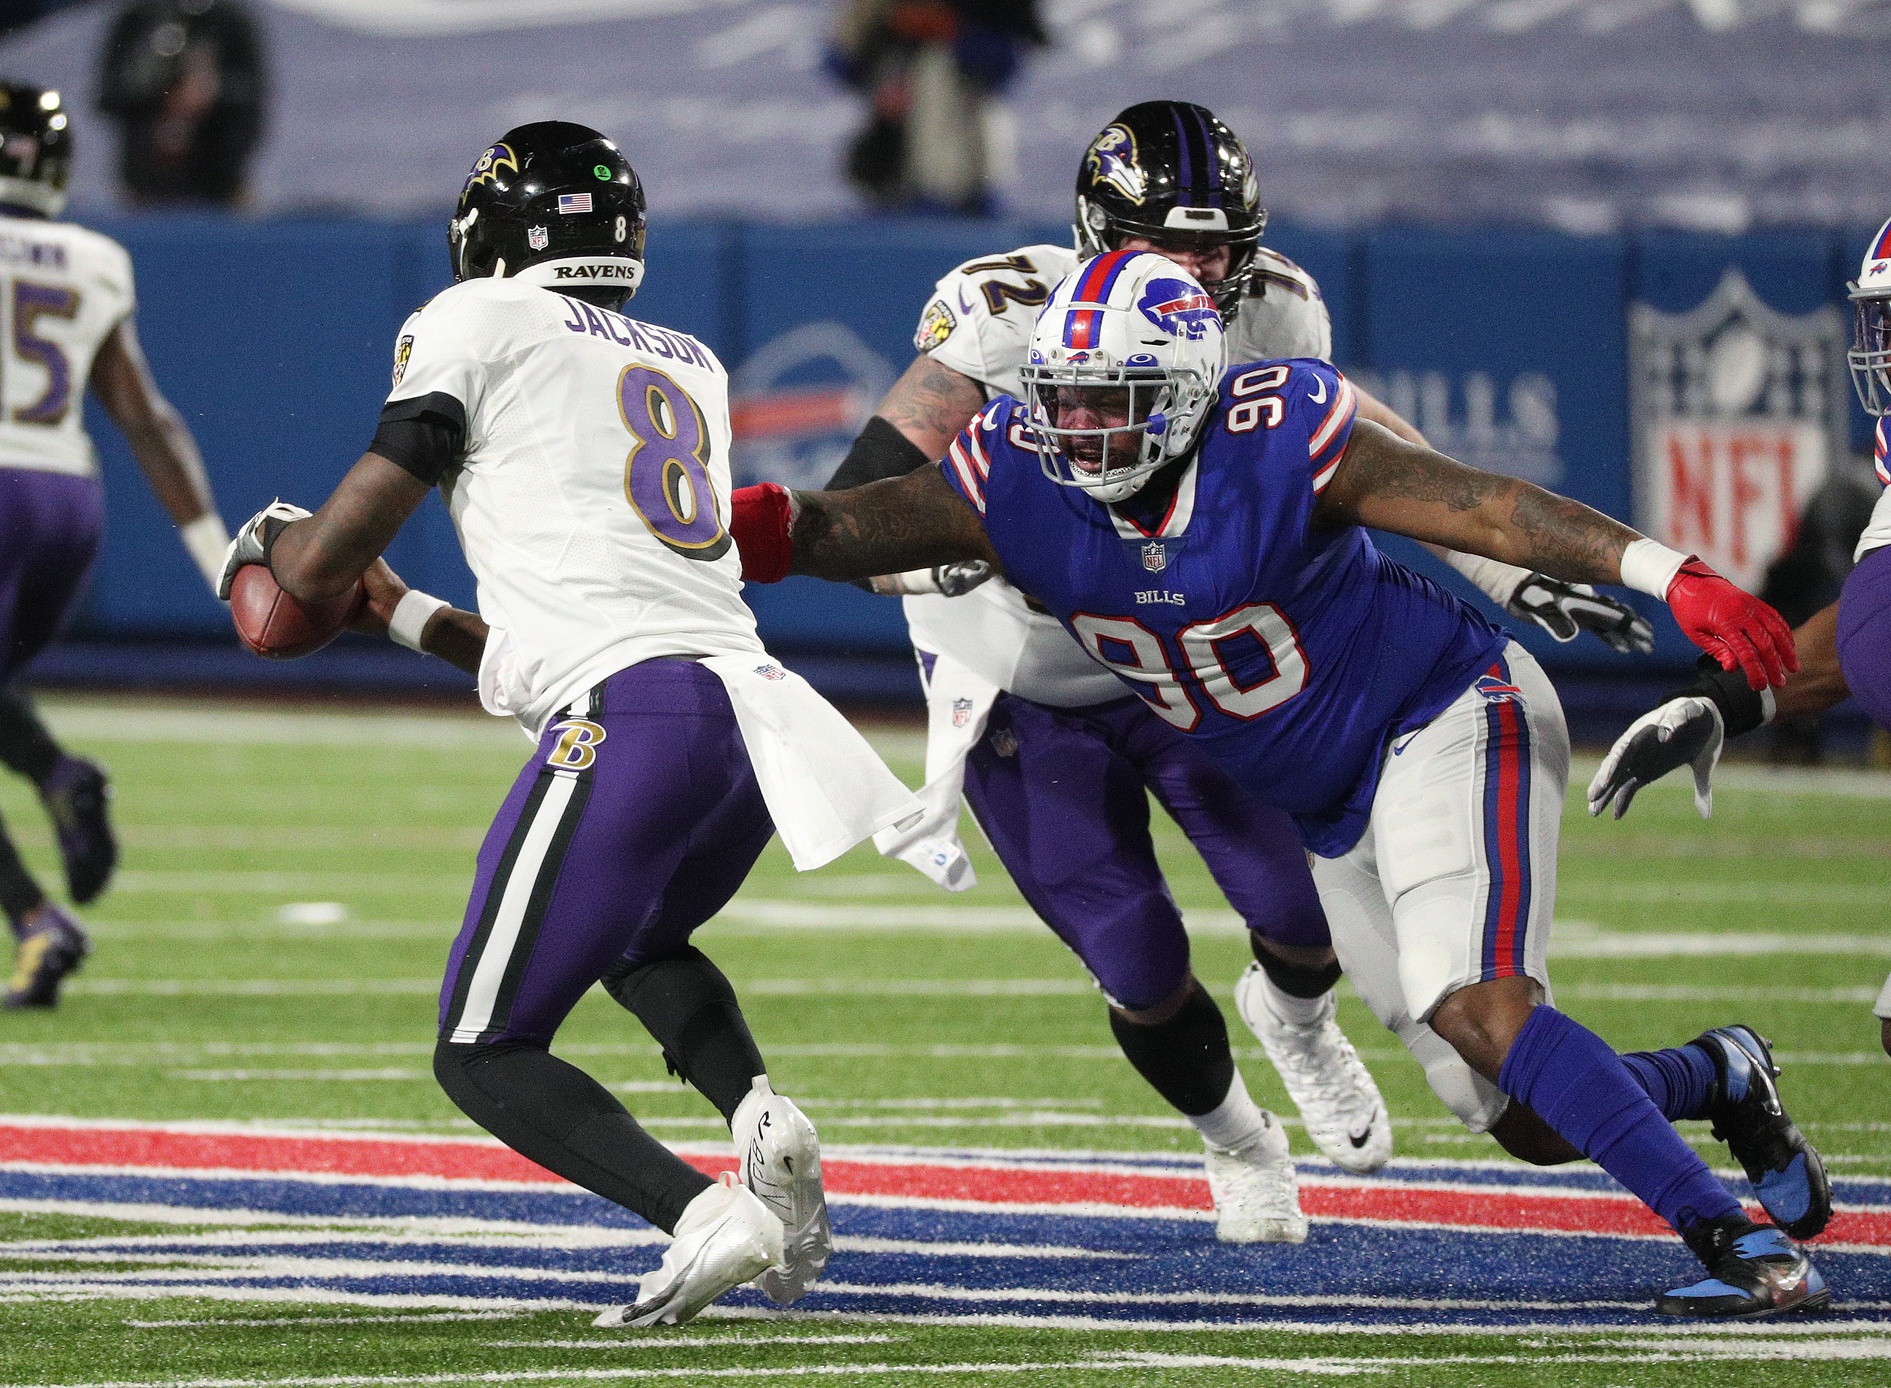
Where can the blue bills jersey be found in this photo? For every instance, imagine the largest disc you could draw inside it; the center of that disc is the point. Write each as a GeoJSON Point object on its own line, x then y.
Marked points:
{"type": "Point", "coordinates": [1294, 654]}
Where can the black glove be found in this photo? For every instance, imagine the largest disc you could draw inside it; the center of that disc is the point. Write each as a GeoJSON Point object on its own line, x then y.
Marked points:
{"type": "Point", "coordinates": [1566, 609]}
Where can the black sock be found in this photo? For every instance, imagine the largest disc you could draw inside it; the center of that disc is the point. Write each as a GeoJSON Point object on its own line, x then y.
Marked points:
{"type": "Point", "coordinates": [1186, 1058]}
{"type": "Point", "coordinates": [690, 1008]}
{"type": "Point", "coordinates": [19, 893]}
{"type": "Point", "coordinates": [567, 1122]}
{"type": "Point", "coordinates": [26, 747]}
{"type": "Point", "coordinates": [1295, 980]}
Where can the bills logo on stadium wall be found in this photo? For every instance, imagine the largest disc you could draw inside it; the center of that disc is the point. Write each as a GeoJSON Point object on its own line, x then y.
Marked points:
{"type": "Point", "coordinates": [1154, 557]}
{"type": "Point", "coordinates": [935, 326]}
{"type": "Point", "coordinates": [538, 238]}
{"type": "Point", "coordinates": [1112, 160]}
{"type": "Point", "coordinates": [1739, 415]}
{"type": "Point", "coordinates": [1178, 308]}
{"type": "Point", "coordinates": [402, 351]}
{"type": "Point", "coordinates": [797, 404]}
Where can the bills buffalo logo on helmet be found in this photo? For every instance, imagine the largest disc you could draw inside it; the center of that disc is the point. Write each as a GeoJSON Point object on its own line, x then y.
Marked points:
{"type": "Point", "coordinates": [1178, 308]}
{"type": "Point", "coordinates": [1112, 160]}
{"type": "Point", "coordinates": [486, 168]}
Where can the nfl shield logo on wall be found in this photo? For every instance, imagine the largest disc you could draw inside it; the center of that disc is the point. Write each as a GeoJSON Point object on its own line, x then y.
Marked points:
{"type": "Point", "coordinates": [1154, 557]}
{"type": "Point", "coordinates": [537, 238]}
{"type": "Point", "coordinates": [1739, 415]}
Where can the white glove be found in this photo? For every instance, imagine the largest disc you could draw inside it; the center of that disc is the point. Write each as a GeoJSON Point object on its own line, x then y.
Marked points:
{"type": "Point", "coordinates": [1566, 609]}
{"type": "Point", "coordinates": [948, 580]}
{"type": "Point", "coordinates": [251, 545]}
{"type": "Point", "coordinates": [1682, 732]}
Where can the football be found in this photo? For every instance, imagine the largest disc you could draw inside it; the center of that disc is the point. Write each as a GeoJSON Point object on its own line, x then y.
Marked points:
{"type": "Point", "coordinates": [278, 626]}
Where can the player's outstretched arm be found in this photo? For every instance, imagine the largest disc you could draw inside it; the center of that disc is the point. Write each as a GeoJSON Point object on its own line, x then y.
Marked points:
{"type": "Point", "coordinates": [1563, 609]}
{"type": "Point", "coordinates": [162, 444]}
{"type": "Point", "coordinates": [909, 522]}
{"type": "Point", "coordinates": [912, 427]}
{"type": "Point", "coordinates": [1386, 483]}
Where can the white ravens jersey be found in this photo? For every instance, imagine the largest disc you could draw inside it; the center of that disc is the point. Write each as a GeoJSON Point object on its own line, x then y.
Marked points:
{"type": "Point", "coordinates": [63, 288]}
{"type": "Point", "coordinates": [591, 497]}
{"type": "Point", "coordinates": [979, 323]}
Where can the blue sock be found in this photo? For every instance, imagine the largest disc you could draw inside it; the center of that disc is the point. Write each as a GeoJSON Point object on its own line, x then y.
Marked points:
{"type": "Point", "coordinates": [1677, 1080]}
{"type": "Point", "coordinates": [1582, 1089]}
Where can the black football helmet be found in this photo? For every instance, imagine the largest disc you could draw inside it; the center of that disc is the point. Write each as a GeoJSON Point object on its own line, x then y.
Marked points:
{"type": "Point", "coordinates": [552, 203]}
{"type": "Point", "coordinates": [35, 149]}
{"type": "Point", "coordinates": [1171, 172]}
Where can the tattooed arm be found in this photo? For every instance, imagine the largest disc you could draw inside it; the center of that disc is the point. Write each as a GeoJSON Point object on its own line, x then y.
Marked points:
{"type": "Point", "coordinates": [902, 523]}
{"type": "Point", "coordinates": [1390, 484]}
{"type": "Point", "coordinates": [930, 404]}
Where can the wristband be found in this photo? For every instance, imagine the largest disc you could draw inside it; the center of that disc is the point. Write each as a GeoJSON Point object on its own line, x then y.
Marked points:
{"type": "Point", "coordinates": [761, 518]}
{"type": "Point", "coordinates": [1648, 566]}
{"type": "Point", "coordinates": [1742, 709]}
{"type": "Point", "coordinates": [1493, 578]}
{"type": "Point", "coordinates": [207, 541]}
{"type": "Point", "coordinates": [411, 615]}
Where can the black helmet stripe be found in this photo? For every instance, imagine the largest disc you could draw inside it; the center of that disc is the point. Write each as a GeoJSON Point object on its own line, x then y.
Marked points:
{"type": "Point", "coordinates": [1198, 160]}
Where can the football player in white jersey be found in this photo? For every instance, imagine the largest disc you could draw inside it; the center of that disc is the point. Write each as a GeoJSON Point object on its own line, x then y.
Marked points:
{"type": "Point", "coordinates": [584, 459]}
{"type": "Point", "coordinates": [1844, 650]}
{"type": "Point", "coordinates": [66, 293]}
{"type": "Point", "coordinates": [1050, 753]}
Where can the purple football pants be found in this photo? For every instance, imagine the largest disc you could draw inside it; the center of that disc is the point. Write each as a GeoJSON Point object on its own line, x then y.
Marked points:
{"type": "Point", "coordinates": [1864, 634]}
{"type": "Point", "coordinates": [50, 525]}
{"type": "Point", "coordinates": [1063, 795]}
{"type": "Point", "coordinates": [635, 822]}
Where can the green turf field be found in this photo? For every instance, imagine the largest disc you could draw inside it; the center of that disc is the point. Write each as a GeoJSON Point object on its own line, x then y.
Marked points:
{"type": "Point", "coordinates": [293, 877]}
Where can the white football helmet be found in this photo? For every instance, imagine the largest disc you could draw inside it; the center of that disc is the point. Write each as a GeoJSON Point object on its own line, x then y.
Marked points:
{"type": "Point", "coordinates": [1122, 370]}
{"type": "Point", "coordinates": [1870, 356]}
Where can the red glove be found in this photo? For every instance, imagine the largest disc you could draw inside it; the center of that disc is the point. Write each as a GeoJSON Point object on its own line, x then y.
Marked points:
{"type": "Point", "coordinates": [1732, 626]}
{"type": "Point", "coordinates": [761, 519]}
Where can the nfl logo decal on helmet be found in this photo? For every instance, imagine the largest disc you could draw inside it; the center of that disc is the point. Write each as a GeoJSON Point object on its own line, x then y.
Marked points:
{"type": "Point", "coordinates": [1121, 374]}
{"type": "Point", "coordinates": [1169, 172]}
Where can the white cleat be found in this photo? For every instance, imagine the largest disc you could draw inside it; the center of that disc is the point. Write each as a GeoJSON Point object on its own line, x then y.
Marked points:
{"type": "Point", "coordinates": [780, 1156]}
{"type": "Point", "coordinates": [725, 1238]}
{"type": "Point", "coordinates": [1338, 1101]}
{"type": "Point", "coordinates": [1257, 1196]}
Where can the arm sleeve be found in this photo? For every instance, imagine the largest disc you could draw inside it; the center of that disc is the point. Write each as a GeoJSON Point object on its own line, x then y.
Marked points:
{"type": "Point", "coordinates": [880, 452]}
{"type": "Point", "coordinates": [425, 435]}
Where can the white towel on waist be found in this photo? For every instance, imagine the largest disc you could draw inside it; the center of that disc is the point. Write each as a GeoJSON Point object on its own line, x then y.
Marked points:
{"type": "Point", "coordinates": [958, 705]}
{"type": "Point", "coordinates": [825, 787]}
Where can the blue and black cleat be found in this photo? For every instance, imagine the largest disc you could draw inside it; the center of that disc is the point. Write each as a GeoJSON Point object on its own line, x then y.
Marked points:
{"type": "Point", "coordinates": [53, 947]}
{"type": "Point", "coordinates": [1753, 1270]}
{"type": "Point", "coordinates": [1785, 1170]}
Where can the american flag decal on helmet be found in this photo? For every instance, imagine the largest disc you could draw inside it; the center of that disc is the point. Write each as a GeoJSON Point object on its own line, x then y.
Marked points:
{"type": "Point", "coordinates": [569, 203]}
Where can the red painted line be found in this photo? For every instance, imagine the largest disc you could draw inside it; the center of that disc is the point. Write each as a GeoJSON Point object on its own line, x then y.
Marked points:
{"type": "Point", "coordinates": [1392, 1202]}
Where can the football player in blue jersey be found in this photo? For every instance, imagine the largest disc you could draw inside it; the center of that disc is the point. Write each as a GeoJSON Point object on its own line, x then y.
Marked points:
{"type": "Point", "coordinates": [1048, 749]}
{"type": "Point", "coordinates": [1422, 753]}
{"type": "Point", "coordinates": [1844, 650]}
